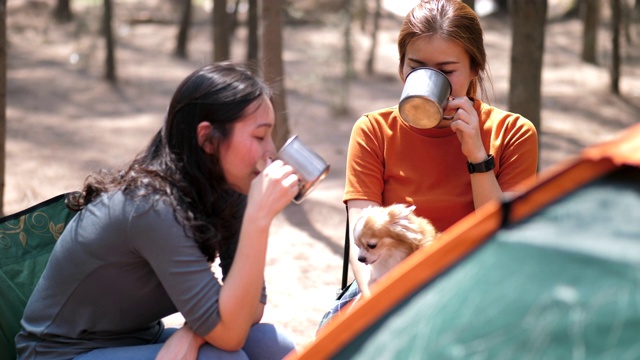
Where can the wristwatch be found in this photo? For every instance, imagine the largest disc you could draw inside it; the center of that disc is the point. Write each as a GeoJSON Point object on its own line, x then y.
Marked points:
{"type": "Point", "coordinates": [482, 167]}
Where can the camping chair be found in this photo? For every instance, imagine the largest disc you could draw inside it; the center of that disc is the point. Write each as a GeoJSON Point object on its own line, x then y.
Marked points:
{"type": "Point", "coordinates": [26, 241]}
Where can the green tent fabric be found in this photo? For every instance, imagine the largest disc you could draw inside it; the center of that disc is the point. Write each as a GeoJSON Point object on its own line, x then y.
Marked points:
{"type": "Point", "coordinates": [561, 284]}
{"type": "Point", "coordinates": [26, 241]}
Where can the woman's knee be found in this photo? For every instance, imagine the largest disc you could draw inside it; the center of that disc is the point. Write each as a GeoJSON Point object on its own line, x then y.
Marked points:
{"type": "Point", "coordinates": [267, 341]}
{"type": "Point", "coordinates": [210, 352]}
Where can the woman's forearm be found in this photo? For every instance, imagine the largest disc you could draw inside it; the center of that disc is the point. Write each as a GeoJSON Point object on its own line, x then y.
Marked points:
{"type": "Point", "coordinates": [239, 303]}
{"type": "Point", "coordinates": [485, 189]}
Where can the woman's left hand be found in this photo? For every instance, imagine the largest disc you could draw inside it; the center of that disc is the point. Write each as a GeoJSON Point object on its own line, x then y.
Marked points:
{"type": "Point", "coordinates": [466, 125]}
{"type": "Point", "coordinates": [184, 344]}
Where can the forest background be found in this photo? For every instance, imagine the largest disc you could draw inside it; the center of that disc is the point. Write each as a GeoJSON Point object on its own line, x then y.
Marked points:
{"type": "Point", "coordinates": [64, 119]}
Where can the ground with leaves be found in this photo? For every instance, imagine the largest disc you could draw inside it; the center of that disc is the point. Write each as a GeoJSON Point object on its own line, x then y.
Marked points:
{"type": "Point", "coordinates": [65, 121]}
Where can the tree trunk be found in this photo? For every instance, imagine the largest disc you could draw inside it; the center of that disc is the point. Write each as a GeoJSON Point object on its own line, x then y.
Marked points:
{"type": "Point", "coordinates": [504, 5]}
{"type": "Point", "coordinates": [342, 106]}
{"type": "Point", "coordinates": [110, 62]}
{"type": "Point", "coordinates": [221, 45]}
{"type": "Point", "coordinates": [62, 11]}
{"type": "Point", "coordinates": [470, 3]}
{"type": "Point", "coordinates": [590, 10]}
{"type": "Point", "coordinates": [361, 14]}
{"type": "Point", "coordinates": [627, 20]}
{"type": "Point", "coordinates": [271, 55]}
{"type": "Point", "coordinates": [3, 98]}
{"type": "Point", "coordinates": [252, 36]}
{"type": "Point", "coordinates": [183, 32]}
{"type": "Point", "coordinates": [374, 38]}
{"type": "Point", "coordinates": [528, 18]}
{"type": "Point", "coordinates": [232, 22]}
{"type": "Point", "coordinates": [615, 46]}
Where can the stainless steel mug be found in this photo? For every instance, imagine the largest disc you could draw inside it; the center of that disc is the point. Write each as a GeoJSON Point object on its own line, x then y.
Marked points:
{"type": "Point", "coordinates": [424, 96]}
{"type": "Point", "coordinates": [309, 166]}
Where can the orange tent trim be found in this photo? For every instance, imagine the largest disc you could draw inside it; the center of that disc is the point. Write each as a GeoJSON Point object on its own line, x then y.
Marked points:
{"type": "Point", "coordinates": [462, 238]}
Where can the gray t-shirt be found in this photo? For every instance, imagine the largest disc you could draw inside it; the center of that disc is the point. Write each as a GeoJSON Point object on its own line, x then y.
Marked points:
{"type": "Point", "coordinates": [120, 266]}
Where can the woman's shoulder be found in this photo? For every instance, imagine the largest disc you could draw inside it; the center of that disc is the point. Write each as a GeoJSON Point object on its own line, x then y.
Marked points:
{"type": "Point", "coordinates": [382, 114]}
{"type": "Point", "coordinates": [147, 216]}
{"type": "Point", "coordinates": [380, 119]}
{"type": "Point", "coordinates": [497, 118]}
{"type": "Point", "coordinates": [386, 111]}
{"type": "Point", "coordinates": [129, 205]}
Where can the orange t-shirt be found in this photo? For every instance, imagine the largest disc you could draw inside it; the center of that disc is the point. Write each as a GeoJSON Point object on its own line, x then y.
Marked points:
{"type": "Point", "coordinates": [391, 162]}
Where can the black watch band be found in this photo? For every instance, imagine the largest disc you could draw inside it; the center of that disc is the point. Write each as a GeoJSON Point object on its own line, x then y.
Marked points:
{"type": "Point", "coordinates": [482, 167]}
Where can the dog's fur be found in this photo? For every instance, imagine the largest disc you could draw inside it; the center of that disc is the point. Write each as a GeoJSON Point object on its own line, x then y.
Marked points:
{"type": "Point", "coordinates": [387, 235]}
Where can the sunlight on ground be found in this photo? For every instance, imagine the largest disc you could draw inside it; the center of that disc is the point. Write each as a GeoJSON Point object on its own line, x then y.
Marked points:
{"type": "Point", "coordinates": [556, 8]}
{"type": "Point", "coordinates": [402, 7]}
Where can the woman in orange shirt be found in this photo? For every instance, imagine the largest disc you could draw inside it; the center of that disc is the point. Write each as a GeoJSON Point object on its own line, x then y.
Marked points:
{"type": "Point", "coordinates": [447, 172]}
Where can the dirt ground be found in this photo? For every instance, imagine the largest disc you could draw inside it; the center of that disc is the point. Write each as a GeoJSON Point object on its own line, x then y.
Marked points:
{"type": "Point", "coordinates": [65, 121]}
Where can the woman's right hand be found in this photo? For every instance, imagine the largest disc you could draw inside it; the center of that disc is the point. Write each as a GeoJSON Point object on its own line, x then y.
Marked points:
{"type": "Point", "coordinates": [184, 344]}
{"type": "Point", "coordinates": [274, 188]}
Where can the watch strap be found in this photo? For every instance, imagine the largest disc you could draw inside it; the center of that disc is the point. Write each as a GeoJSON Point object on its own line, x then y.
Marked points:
{"type": "Point", "coordinates": [482, 167]}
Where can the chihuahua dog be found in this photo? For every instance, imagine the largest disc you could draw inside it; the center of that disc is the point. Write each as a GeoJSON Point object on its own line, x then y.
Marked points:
{"type": "Point", "coordinates": [387, 235]}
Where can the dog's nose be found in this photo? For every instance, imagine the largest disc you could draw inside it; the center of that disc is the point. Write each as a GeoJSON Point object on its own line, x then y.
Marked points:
{"type": "Point", "coordinates": [362, 259]}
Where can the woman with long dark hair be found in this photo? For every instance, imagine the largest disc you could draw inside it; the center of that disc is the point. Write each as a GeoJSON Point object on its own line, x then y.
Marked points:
{"type": "Point", "coordinates": [143, 244]}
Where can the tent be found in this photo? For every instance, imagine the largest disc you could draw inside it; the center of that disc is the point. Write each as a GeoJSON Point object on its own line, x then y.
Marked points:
{"type": "Point", "coordinates": [553, 273]}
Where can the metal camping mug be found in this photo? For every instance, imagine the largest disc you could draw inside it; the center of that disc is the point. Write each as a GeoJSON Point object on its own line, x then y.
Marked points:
{"type": "Point", "coordinates": [424, 96]}
{"type": "Point", "coordinates": [308, 165]}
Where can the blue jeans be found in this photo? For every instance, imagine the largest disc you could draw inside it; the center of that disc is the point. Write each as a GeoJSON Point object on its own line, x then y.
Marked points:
{"type": "Point", "coordinates": [265, 341]}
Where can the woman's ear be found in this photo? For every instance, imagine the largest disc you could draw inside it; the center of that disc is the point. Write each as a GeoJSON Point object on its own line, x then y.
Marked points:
{"type": "Point", "coordinates": [205, 137]}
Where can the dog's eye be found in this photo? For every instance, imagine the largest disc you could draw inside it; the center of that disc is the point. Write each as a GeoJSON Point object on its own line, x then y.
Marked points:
{"type": "Point", "coordinates": [371, 245]}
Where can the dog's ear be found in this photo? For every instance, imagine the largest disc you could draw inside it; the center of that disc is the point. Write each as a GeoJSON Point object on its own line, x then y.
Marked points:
{"type": "Point", "coordinates": [410, 226]}
{"type": "Point", "coordinates": [358, 227]}
{"type": "Point", "coordinates": [398, 211]}
{"type": "Point", "coordinates": [400, 218]}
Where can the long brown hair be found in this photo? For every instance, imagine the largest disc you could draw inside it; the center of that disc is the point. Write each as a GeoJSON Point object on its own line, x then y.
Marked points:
{"type": "Point", "coordinates": [453, 20]}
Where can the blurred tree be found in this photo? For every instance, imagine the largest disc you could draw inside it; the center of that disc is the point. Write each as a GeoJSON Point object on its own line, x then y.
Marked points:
{"type": "Point", "coordinates": [221, 40]}
{"type": "Point", "coordinates": [361, 13]}
{"type": "Point", "coordinates": [62, 11]}
{"type": "Point", "coordinates": [232, 19]}
{"type": "Point", "coordinates": [470, 3]}
{"type": "Point", "coordinates": [110, 61]}
{"type": "Point", "coordinates": [252, 33]}
{"type": "Point", "coordinates": [342, 107]}
{"type": "Point", "coordinates": [183, 32]}
{"type": "Point", "coordinates": [273, 65]}
{"type": "Point", "coordinates": [503, 5]}
{"type": "Point", "coordinates": [590, 10]}
{"type": "Point", "coordinates": [528, 18]}
{"type": "Point", "coordinates": [374, 38]}
{"type": "Point", "coordinates": [627, 19]}
{"type": "Point", "coordinates": [3, 97]}
{"type": "Point", "coordinates": [615, 46]}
